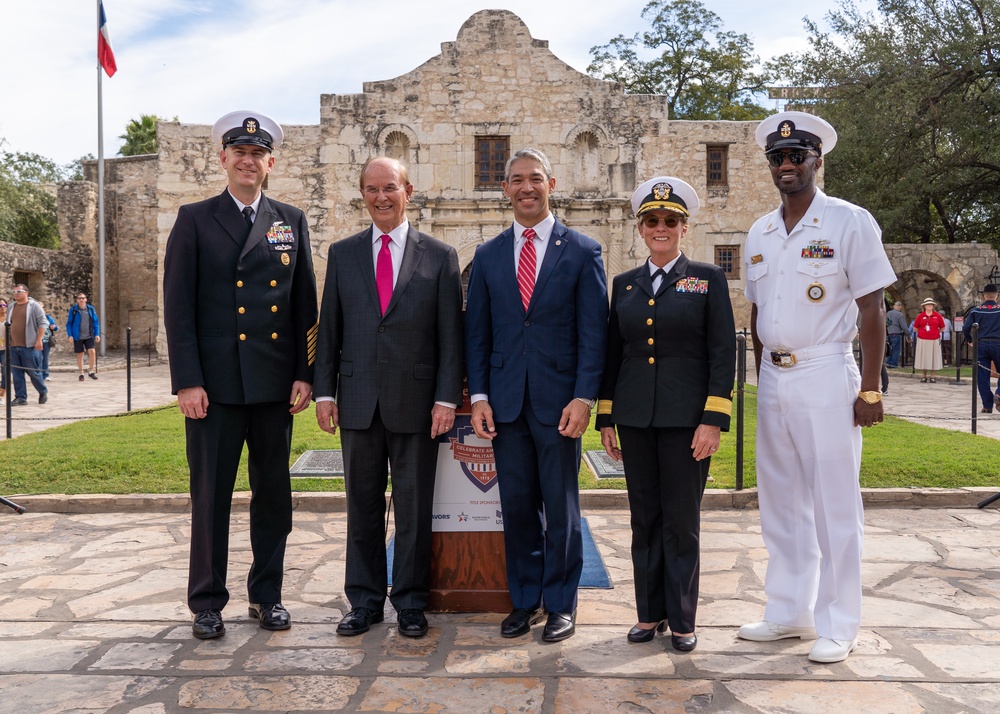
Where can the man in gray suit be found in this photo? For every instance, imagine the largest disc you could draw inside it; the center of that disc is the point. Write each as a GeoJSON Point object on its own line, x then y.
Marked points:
{"type": "Point", "coordinates": [390, 353]}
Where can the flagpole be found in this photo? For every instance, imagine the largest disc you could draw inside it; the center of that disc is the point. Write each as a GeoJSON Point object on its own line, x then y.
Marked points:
{"type": "Point", "coordinates": [103, 315]}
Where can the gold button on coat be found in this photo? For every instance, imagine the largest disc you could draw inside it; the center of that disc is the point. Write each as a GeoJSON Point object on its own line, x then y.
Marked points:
{"type": "Point", "coordinates": [274, 308]}
{"type": "Point", "coordinates": [651, 360]}
{"type": "Point", "coordinates": [650, 340]}
{"type": "Point", "coordinates": [239, 283]}
{"type": "Point", "coordinates": [242, 310]}
{"type": "Point", "coordinates": [652, 302]}
{"type": "Point", "coordinates": [649, 321]}
{"type": "Point", "coordinates": [274, 335]}
{"type": "Point", "coordinates": [242, 336]}
{"type": "Point", "coordinates": [274, 283]}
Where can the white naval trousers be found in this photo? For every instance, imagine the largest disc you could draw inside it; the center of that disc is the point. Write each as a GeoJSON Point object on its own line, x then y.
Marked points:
{"type": "Point", "coordinates": [811, 514]}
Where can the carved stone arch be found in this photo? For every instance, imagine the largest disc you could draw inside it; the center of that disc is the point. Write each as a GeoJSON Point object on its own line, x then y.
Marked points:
{"type": "Point", "coordinates": [399, 141]}
{"type": "Point", "coordinates": [584, 143]}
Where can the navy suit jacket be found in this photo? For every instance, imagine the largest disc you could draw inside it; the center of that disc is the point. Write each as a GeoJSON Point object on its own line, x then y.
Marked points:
{"type": "Point", "coordinates": [403, 361]}
{"type": "Point", "coordinates": [556, 348]}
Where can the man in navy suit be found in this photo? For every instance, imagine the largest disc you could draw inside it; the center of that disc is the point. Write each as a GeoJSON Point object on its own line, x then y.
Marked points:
{"type": "Point", "coordinates": [390, 352]}
{"type": "Point", "coordinates": [536, 327]}
{"type": "Point", "coordinates": [239, 297]}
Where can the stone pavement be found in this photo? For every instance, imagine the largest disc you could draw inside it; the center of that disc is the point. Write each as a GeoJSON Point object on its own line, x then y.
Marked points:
{"type": "Point", "coordinates": [92, 613]}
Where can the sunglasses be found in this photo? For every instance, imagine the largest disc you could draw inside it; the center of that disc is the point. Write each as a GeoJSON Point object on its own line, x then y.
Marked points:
{"type": "Point", "coordinates": [654, 221]}
{"type": "Point", "coordinates": [796, 156]}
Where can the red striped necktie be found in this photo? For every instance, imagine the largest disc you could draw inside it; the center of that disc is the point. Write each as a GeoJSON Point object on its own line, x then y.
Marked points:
{"type": "Point", "coordinates": [526, 268]}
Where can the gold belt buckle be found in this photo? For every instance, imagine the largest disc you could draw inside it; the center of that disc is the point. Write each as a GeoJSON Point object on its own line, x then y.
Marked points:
{"type": "Point", "coordinates": [783, 358]}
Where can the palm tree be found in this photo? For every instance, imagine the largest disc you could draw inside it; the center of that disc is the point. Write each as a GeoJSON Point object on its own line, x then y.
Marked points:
{"type": "Point", "coordinates": [140, 136]}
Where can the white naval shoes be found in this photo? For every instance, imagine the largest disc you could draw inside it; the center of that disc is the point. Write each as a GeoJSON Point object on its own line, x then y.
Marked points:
{"type": "Point", "coordinates": [766, 631]}
{"type": "Point", "coordinates": [827, 650]}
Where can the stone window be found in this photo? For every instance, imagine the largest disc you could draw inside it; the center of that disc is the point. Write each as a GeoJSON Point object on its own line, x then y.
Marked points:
{"type": "Point", "coordinates": [491, 158]}
{"type": "Point", "coordinates": [397, 146]}
{"type": "Point", "coordinates": [717, 175]}
{"type": "Point", "coordinates": [727, 257]}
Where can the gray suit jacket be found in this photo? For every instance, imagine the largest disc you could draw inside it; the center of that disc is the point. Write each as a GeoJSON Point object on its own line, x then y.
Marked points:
{"type": "Point", "coordinates": [403, 361]}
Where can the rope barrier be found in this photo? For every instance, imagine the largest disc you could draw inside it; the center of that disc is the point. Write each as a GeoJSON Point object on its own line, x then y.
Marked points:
{"type": "Point", "coordinates": [134, 412]}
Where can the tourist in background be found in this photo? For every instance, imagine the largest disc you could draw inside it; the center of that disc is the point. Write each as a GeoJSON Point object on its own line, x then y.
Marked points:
{"type": "Point", "coordinates": [83, 329]}
{"type": "Point", "coordinates": [50, 329]}
{"type": "Point", "coordinates": [895, 327]}
{"type": "Point", "coordinates": [928, 326]}
{"type": "Point", "coordinates": [667, 387]}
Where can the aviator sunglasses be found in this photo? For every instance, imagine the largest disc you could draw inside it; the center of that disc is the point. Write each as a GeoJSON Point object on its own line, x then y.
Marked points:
{"type": "Point", "coordinates": [796, 156]}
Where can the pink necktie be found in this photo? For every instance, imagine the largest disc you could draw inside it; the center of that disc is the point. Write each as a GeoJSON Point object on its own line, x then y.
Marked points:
{"type": "Point", "coordinates": [383, 274]}
{"type": "Point", "coordinates": [526, 268]}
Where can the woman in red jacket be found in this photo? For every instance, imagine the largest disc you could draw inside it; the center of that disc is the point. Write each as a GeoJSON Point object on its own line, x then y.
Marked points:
{"type": "Point", "coordinates": [928, 326]}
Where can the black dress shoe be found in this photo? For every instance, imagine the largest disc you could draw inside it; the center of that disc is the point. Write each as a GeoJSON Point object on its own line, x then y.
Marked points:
{"type": "Point", "coordinates": [358, 621]}
{"type": "Point", "coordinates": [559, 626]}
{"type": "Point", "coordinates": [412, 623]}
{"type": "Point", "coordinates": [19, 402]}
{"type": "Point", "coordinates": [208, 624]}
{"type": "Point", "coordinates": [519, 622]}
{"type": "Point", "coordinates": [683, 643]}
{"type": "Point", "coordinates": [43, 397]}
{"type": "Point", "coordinates": [272, 615]}
{"type": "Point", "coordinates": [641, 634]}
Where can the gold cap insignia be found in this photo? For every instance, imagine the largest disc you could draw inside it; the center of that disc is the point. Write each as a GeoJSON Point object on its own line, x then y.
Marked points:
{"type": "Point", "coordinates": [661, 191]}
{"type": "Point", "coordinates": [251, 126]}
{"type": "Point", "coordinates": [786, 129]}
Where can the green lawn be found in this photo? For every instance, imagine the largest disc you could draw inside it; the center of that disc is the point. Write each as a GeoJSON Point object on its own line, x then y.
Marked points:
{"type": "Point", "coordinates": [144, 453]}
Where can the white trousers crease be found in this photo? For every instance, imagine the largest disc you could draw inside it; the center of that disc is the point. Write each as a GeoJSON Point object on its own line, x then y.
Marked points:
{"type": "Point", "coordinates": [811, 514]}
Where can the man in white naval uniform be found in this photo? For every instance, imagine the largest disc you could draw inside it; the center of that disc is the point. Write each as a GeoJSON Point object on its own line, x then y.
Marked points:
{"type": "Point", "coordinates": [812, 265]}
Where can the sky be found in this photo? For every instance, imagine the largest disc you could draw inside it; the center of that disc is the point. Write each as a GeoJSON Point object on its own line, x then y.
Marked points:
{"type": "Point", "coordinates": [200, 59]}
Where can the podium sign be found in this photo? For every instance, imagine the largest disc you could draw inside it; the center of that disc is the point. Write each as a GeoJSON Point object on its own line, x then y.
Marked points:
{"type": "Point", "coordinates": [468, 565]}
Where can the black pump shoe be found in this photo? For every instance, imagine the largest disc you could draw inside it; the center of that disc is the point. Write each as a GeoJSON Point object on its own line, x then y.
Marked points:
{"type": "Point", "coordinates": [641, 634]}
{"type": "Point", "coordinates": [683, 643]}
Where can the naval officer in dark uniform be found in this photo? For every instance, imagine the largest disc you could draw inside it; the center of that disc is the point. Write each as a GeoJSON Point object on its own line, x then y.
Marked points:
{"type": "Point", "coordinates": [240, 313]}
{"type": "Point", "coordinates": [987, 316]}
{"type": "Point", "coordinates": [668, 386]}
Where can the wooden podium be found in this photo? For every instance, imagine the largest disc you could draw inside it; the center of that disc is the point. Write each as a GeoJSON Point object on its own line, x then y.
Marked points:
{"type": "Point", "coordinates": [468, 568]}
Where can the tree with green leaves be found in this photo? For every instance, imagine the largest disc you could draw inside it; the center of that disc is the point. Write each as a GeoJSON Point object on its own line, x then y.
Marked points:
{"type": "Point", "coordinates": [27, 206]}
{"type": "Point", "coordinates": [705, 72]}
{"type": "Point", "coordinates": [140, 135]}
{"type": "Point", "coordinates": [914, 92]}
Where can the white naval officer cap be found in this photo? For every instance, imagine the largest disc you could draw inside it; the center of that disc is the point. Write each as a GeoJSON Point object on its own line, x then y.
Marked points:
{"type": "Point", "coordinates": [665, 193]}
{"type": "Point", "coordinates": [796, 130]}
{"type": "Point", "coordinates": [247, 127]}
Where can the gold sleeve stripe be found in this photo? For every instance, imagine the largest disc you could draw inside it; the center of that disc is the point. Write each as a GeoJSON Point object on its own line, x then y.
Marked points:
{"type": "Point", "coordinates": [719, 404]}
{"type": "Point", "coordinates": [604, 406]}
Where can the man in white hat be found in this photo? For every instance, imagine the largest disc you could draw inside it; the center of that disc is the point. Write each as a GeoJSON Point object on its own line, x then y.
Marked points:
{"type": "Point", "coordinates": [812, 265]}
{"type": "Point", "coordinates": [240, 314]}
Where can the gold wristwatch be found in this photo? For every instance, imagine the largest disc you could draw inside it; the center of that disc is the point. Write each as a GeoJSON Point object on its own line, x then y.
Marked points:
{"type": "Point", "coordinates": [871, 397]}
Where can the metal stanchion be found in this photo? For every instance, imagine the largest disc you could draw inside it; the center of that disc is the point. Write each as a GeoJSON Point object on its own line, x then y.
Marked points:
{"type": "Point", "coordinates": [956, 357]}
{"type": "Point", "coordinates": [741, 380]}
{"type": "Point", "coordinates": [128, 369]}
{"type": "Point", "coordinates": [975, 372]}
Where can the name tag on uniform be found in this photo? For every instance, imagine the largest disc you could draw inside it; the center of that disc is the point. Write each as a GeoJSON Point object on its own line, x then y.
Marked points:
{"type": "Point", "coordinates": [280, 236]}
{"type": "Point", "coordinates": [692, 285]}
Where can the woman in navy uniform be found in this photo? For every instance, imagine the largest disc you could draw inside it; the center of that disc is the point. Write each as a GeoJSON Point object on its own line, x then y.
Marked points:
{"type": "Point", "coordinates": [667, 388]}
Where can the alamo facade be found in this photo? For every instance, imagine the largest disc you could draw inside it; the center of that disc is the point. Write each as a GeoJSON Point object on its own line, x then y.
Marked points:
{"type": "Point", "coordinates": [453, 120]}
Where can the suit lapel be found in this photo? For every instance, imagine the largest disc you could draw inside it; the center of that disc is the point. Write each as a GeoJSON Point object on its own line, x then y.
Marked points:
{"type": "Point", "coordinates": [676, 273]}
{"type": "Point", "coordinates": [266, 217]}
{"type": "Point", "coordinates": [508, 271]}
{"type": "Point", "coordinates": [412, 253]}
{"type": "Point", "coordinates": [553, 253]}
{"type": "Point", "coordinates": [366, 268]}
{"type": "Point", "coordinates": [229, 217]}
{"type": "Point", "coordinates": [644, 280]}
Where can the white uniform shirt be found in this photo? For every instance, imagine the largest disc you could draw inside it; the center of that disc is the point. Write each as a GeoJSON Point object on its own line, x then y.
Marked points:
{"type": "Point", "coordinates": [805, 283]}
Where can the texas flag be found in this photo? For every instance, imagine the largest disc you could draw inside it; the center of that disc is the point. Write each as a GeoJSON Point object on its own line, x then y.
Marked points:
{"type": "Point", "coordinates": [105, 55]}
